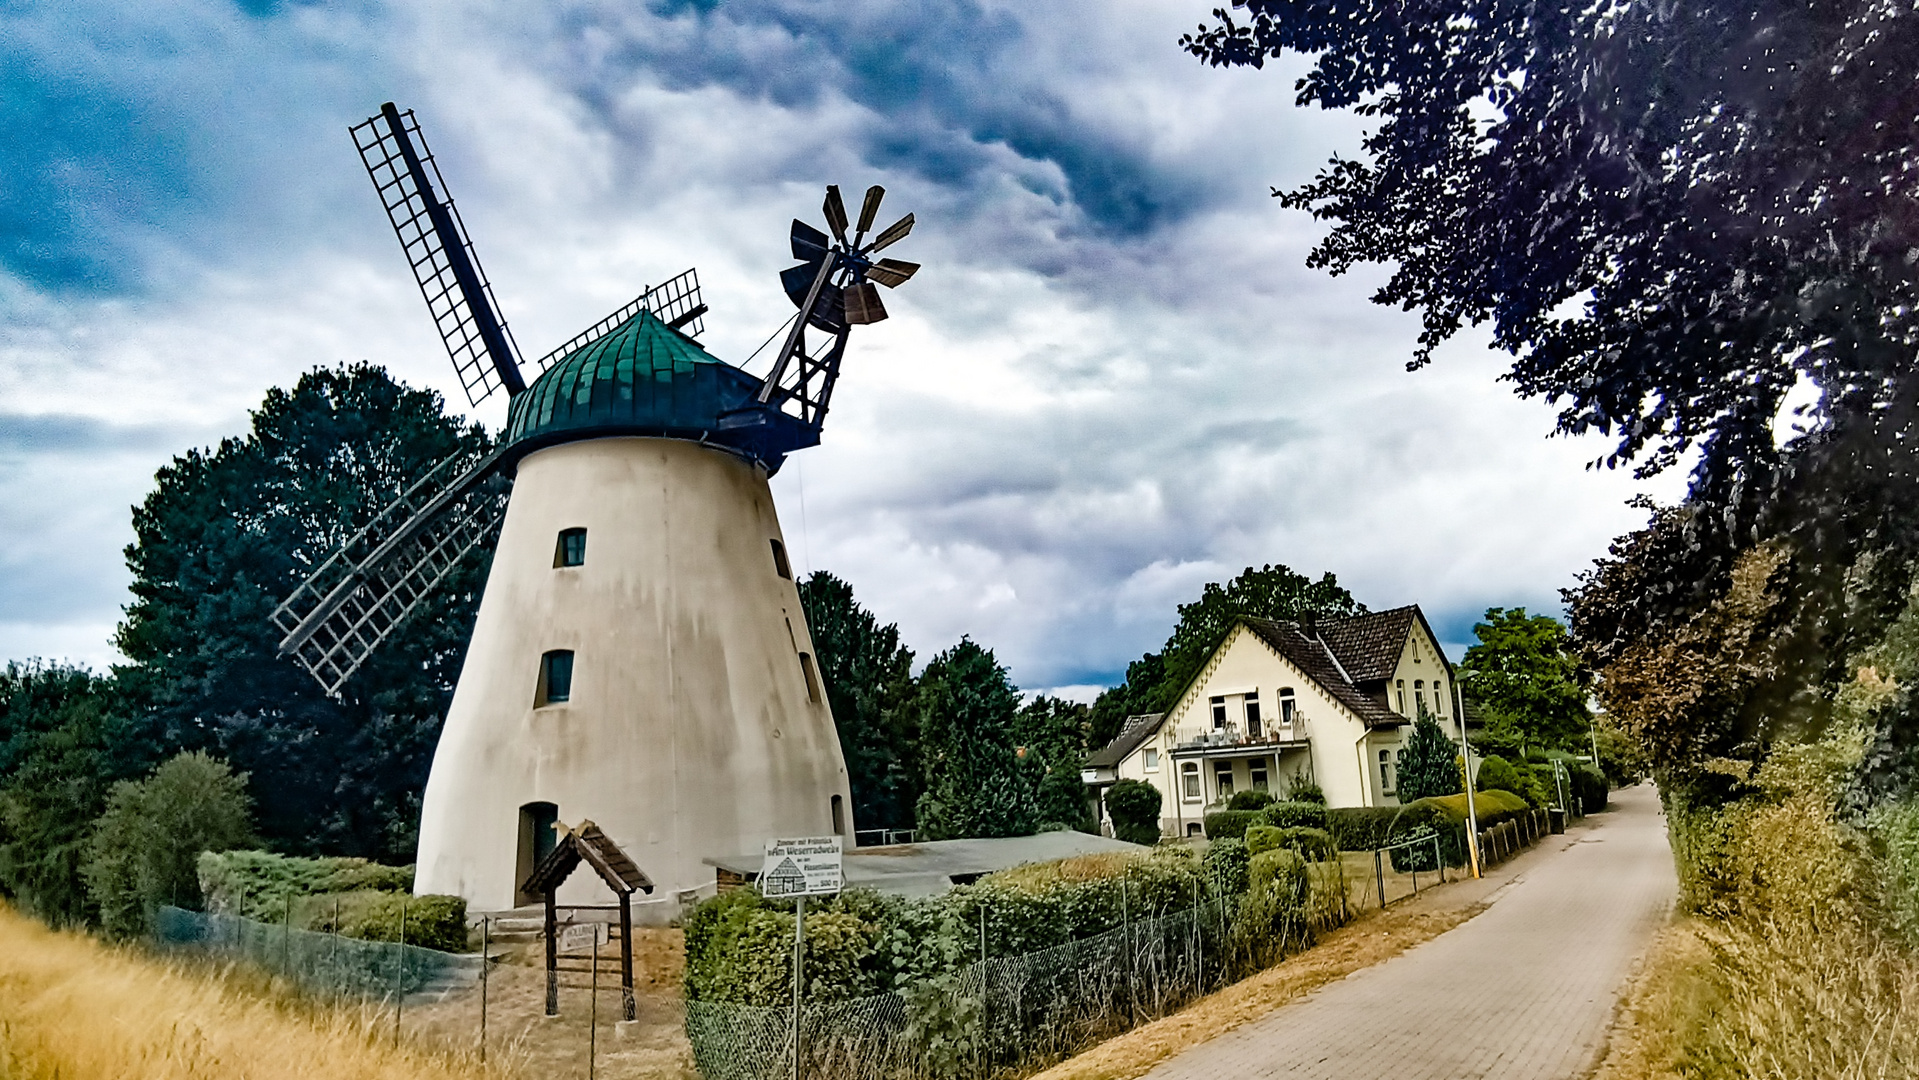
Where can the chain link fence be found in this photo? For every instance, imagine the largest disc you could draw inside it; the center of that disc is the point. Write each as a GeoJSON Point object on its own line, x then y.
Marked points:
{"type": "Point", "coordinates": [1003, 1015]}
{"type": "Point", "coordinates": [323, 964]}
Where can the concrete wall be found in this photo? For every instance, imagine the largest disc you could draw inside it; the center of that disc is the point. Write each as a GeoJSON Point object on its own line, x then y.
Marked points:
{"type": "Point", "coordinates": [690, 729]}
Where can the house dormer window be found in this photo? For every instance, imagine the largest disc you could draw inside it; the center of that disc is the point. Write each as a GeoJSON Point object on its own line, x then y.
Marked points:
{"type": "Point", "coordinates": [1288, 706]}
{"type": "Point", "coordinates": [1252, 713]}
{"type": "Point", "coordinates": [1219, 713]}
{"type": "Point", "coordinates": [1419, 695]}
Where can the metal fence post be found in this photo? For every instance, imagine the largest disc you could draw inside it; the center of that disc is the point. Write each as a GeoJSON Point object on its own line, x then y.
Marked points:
{"type": "Point", "coordinates": [799, 959]}
{"type": "Point", "coordinates": [1439, 859]}
{"type": "Point", "coordinates": [399, 985]}
{"type": "Point", "coordinates": [486, 947]}
{"type": "Point", "coordinates": [1379, 875]}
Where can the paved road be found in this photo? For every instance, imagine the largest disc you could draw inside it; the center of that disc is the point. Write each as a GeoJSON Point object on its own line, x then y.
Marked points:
{"type": "Point", "coordinates": [1524, 990]}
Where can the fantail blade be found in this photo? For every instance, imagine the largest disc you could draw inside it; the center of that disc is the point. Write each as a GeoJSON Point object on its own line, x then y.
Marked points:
{"type": "Point", "coordinates": [894, 234]}
{"type": "Point", "coordinates": [863, 304]}
{"type": "Point", "coordinates": [891, 273]}
{"type": "Point", "coordinates": [868, 211]}
{"type": "Point", "coordinates": [835, 212]}
{"type": "Point", "coordinates": [809, 244]}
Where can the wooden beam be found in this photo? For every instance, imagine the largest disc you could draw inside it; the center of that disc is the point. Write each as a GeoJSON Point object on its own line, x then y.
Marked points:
{"type": "Point", "coordinates": [627, 1010]}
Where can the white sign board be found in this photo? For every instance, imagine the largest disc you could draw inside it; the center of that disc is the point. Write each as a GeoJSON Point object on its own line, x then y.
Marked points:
{"type": "Point", "coordinates": [581, 937]}
{"type": "Point", "coordinates": [809, 866]}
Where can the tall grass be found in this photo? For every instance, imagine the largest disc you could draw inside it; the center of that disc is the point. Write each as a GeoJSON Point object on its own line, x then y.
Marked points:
{"type": "Point", "coordinates": [76, 1009]}
{"type": "Point", "coordinates": [1796, 964]}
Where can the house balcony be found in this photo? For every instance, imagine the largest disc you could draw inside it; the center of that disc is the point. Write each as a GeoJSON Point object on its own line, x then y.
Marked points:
{"type": "Point", "coordinates": [1233, 741]}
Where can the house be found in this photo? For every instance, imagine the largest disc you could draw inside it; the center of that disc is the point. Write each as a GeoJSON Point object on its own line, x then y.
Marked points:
{"type": "Point", "coordinates": [1330, 703]}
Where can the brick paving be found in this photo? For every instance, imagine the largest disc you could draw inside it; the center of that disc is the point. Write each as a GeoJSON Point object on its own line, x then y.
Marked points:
{"type": "Point", "coordinates": [1523, 991]}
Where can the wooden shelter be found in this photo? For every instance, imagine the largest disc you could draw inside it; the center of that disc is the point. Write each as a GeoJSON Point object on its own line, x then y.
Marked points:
{"type": "Point", "coordinates": [589, 845]}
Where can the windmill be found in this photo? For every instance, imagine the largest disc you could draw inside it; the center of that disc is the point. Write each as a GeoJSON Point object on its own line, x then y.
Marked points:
{"type": "Point", "coordinates": [639, 656]}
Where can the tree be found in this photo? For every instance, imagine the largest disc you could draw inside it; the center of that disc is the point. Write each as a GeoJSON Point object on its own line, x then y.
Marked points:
{"type": "Point", "coordinates": [146, 845]}
{"type": "Point", "coordinates": [224, 536]}
{"type": "Point", "coordinates": [1526, 676]}
{"type": "Point", "coordinates": [1134, 807]}
{"type": "Point", "coordinates": [1050, 739]}
{"type": "Point", "coordinates": [973, 782]}
{"type": "Point", "coordinates": [869, 684]}
{"type": "Point", "coordinates": [1270, 592]}
{"type": "Point", "coordinates": [64, 739]}
{"type": "Point", "coordinates": [1429, 765]}
{"type": "Point", "coordinates": [1672, 215]}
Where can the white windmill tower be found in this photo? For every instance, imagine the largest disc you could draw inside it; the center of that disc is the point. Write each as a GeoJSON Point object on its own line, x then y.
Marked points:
{"type": "Point", "coordinates": [640, 657]}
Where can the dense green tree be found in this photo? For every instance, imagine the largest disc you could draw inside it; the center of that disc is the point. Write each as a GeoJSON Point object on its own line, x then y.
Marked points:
{"type": "Point", "coordinates": [64, 740]}
{"type": "Point", "coordinates": [1672, 215]}
{"type": "Point", "coordinates": [973, 781]}
{"type": "Point", "coordinates": [1525, 675]}
{"type": "Point", "coordinates": [225, 535]}
{"type": "Point", "coordinates": [146, 845]}
{"type": "Point", "coordinates": [1270, 592]}
{"type": "Point", "coordinates": [1429, 765]}
{"type": "Point", "coordinates": [1050, 737]}
{"type": "Point", "coordinates": [869, 684]}
{"type": "Point", "coordinates": [1134, 807]}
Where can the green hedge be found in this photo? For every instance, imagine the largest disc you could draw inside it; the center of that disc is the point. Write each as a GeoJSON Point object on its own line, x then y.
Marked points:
{"type": "Point", "coordinates": [1360, 828]}
{"type": "Point", "coordinates": [1230, 824]}
{"type": "Point", "coordinates": [1250, 799]}
{"type": "Point", "coordinates": [1227, 865]}
{"type": "Point", "coordinates": [431, 922]}
{"type": "Point", "coordinates": [1297, 815]}
{"type": "Point", "coordinates": [256, 884]}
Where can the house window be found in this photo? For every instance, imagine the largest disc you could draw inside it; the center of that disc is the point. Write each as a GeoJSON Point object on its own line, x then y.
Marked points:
{"type": "Point", "coordinates": [780, 565]}
{"type": "Point", "coordinates": [1150, 759]}
{"type": "Point", "coordinates": [1386, 772]}
{"type": "Point", "coordinates": [1399, 687]}
{"type": "Point", "coordinates": [812, 677]}
{"type": "Point", "coordinates": [1288, 706]}
{"type": "Point", "coordinates": [1193, 829]}
{"type": "Point", "coordinates": [1252, 713]}
{"type": "Point", "coordinates": [1439, 699]}
{"type": "Point", "coordinates": [1259, 778]}
{"type": "Point", "coordinates": [570, 550]}
{"type": "Point", "coordinates": [1219, 714]}
{"type": "Point", "coordinates": [1419, 695]}
{"type": "Point", "coordinates": [1223, 779]}
{"type": "Point", "coordinates": [556, 678]}
{"type": "Point", "coordinates": [1189, 781]}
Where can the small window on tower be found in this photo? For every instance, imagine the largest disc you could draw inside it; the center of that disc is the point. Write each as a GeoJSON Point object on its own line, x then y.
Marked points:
{"type": "Point", "coordinates": [556, 678]}
{"type": "Point", "coordinates": [812, 677]}
{"type": "Point", "coordinates": [780, 565]}
{"type": "Point", "coordinates": [571, 549]}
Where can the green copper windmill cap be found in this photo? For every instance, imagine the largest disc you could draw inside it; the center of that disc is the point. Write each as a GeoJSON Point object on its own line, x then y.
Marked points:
{"type": "Point", "coordinates": [641, 378]}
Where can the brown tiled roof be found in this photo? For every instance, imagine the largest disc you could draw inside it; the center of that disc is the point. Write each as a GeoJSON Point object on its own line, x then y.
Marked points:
{"type": "Point", "coordinates": [1131, 734]}
{"type": "Point", "coordinates": [1312, 656]}
{"type": "Point", "coordinates": [1369, 646]}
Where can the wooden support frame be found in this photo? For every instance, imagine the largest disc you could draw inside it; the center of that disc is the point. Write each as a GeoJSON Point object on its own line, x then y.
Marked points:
{"type": "Point", "coordinates": [589, 845]}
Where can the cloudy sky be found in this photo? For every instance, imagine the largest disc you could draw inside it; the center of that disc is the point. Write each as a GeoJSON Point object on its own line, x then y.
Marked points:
{"type": "Point", "coordinates": [1114, 381]}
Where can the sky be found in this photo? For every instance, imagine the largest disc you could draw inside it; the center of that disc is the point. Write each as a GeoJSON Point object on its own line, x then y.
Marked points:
{"type": "Point", "coordinates": [1114, 380]}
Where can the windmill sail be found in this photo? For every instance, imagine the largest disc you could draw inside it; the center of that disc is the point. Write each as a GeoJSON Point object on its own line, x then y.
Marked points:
{"type": "Point", "coordinates": [347, 607]}
{"type": "Point", "coordinates": [676, 303]}
{"type": "Point", "coordinates": [434, 239]}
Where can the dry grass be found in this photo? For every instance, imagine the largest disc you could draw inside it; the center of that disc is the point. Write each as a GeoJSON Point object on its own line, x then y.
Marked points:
{"type": "Point", "coordinates": [75, 1009]}
{"type": "Point", "coordinates": [1099, 866]}
{"type": "Point", "coordinates": [1369, 940]}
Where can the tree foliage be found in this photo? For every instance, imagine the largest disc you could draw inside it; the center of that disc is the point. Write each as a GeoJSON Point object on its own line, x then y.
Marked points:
{"type": "Point", "coordinates": [1525, 674]}
{"type": "Point", "coordinates": [1051, 739]}
{"type": "Point", "coordinates": [225, 535]}
{"type": "Point", "coordinates": [146, 845]}
{"type": "Point", "coordinates": [973, 781]}
{"type": "Point", "coordinates": [1134, 807]}
{"type": "Point", "coordinates": [1270, 592]}
{"type": "Point", "coordinates": [870, 686]}
{"type": "Point", "coordinates": [1429, 765]}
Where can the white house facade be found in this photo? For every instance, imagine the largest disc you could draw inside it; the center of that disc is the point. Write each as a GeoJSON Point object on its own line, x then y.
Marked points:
{"type": "Point", "coordinates": [1330, 703]}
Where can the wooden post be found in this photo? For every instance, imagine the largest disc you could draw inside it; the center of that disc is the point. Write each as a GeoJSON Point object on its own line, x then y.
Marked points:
{"type": "Point", "coordinates": [486, 947]}
{"type": "Point", "coordinates": [552, 956]}
{"type": "Point", "coordinates": [626, 956]}
{"type": "Point", "coordinates": [799, 960]}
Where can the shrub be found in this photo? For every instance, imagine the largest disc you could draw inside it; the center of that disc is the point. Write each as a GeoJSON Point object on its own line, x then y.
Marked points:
{"type": "Point", "coordinates": [1498, 774]}
{"type": "Point", "coordinates": [1360, 828]}
{"type": "Point", "coordinates": [146, 845]}
{"type": "Point", "coordinates": [1430, 763]}
{"type": "Point", "coordinates": [1300, 789]}
{"type": "Point", "coordinates": [1250, 799]}
{"type": "Point", "coordinates": [1278, 873]}
{"type": "Point", "coordinates": [1134, 807]}
{"type": "Point", "coordinates": [431, 922]}
{"type": "Point", "coordinates": [1296, 815]}
{"type": "Point", "coordinates": [256, 884]}
{"type": "Point", "coordinates": [1230, 824]}
{"type": "Point", "coordinates": [1227, 864]}
{"type": "Point", "coordinates": [1592, 786]}
{"type": "Point", "coordinates": [1263, 838]}
{"type": "Point", "coordinates": [1315, 845]}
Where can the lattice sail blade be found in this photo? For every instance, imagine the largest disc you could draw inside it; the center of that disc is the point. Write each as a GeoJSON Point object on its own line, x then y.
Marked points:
{"type": "Point", "coordinates": [676, 303]}
{"type": "Point", "coordinates": [436, 246]}
{"type": "Point", "coordinates": [354, 601]}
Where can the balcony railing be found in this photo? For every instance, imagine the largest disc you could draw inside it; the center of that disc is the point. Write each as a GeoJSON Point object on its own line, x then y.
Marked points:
{"type": "Point", "coordinates": [1233, 736]}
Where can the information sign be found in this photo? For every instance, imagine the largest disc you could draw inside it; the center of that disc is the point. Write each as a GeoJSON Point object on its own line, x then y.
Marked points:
{"type": "Point", "coordinates": [809, 866]}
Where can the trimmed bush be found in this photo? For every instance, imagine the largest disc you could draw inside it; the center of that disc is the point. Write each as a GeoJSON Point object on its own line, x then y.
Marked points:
{"type": "Point", "coordinates": [431, 922]}
{"type": "Point", "coordinates": [256, 884]}
{"type": "Point", "coordinates": [1296, 815]}
{"type": "Point", "coordinates": [1593, 786]}
{"type": "Point", "coordinates": [1230, 824]}
{"type": "Point", "coordinates": [1250, 799]}
{"type": "Point", "coordinates": [1134, 808]}
{"type": "Point", "coordinates": [1361, 828]}
{"type": "Point", "coordinates": [1227, 864]}
{"type": "Point", "coordinates": [1261, 839]}
{"type": "Point", "coordinates": [1498, 774]}
{"type": "Point", "coordinates": [1315, 845]}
